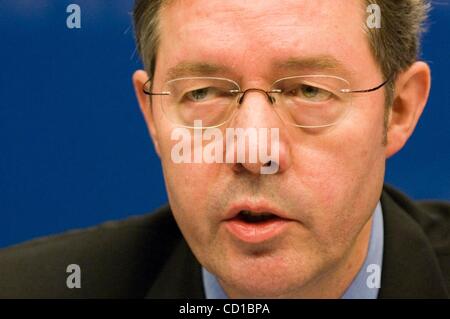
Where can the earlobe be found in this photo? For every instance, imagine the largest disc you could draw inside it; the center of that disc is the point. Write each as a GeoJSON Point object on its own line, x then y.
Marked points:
{"type": "Point", "coordinates": [140, 77]}
{"type": "Point", "coordinates": [412, 88]}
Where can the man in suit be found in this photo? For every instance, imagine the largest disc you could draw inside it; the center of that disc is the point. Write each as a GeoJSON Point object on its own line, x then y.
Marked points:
{"type": "Point", "coordinates": [313, 219]}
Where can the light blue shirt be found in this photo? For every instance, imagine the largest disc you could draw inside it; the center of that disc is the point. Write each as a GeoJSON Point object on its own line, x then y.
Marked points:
{"type": "Point", "coordinates": [358, 289]}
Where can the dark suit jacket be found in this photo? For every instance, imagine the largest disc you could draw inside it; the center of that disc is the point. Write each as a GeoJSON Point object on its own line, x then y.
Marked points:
{"type": "Point", "coordinates": [147, 256]}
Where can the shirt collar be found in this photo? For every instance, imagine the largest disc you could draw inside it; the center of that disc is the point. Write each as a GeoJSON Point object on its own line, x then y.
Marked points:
{"type": "Point", "coordinates": [358, 289]}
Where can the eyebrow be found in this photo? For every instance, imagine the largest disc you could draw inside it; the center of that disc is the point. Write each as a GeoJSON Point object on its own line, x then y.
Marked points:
{"type": "Point", "coordinates": [317, 63]}
{"type": "Point", "coordinates": [185, 69]}
{"type": "Point", "coordinates": [320, 63]}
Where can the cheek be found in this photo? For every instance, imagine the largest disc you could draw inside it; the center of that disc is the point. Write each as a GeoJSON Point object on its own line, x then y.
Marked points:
{"type": "Point", "coordinates": [188, 186]}
{"type": "Point", "coordinates": [346, 155]}
{"type": "Point", "coordinates": [331, 170]}
{"type": "Point", "coordinates": [341, 174]}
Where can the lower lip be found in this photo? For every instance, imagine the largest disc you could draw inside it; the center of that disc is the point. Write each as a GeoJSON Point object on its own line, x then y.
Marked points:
{"type": "Point", "coordinates": [256, 232]}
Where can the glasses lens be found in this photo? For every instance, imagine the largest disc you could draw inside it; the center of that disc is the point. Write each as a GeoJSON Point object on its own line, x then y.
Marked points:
{"type": "Point", "coordinates": [209, 100]}
{"type": "Point", "coordinates": [312, 101]}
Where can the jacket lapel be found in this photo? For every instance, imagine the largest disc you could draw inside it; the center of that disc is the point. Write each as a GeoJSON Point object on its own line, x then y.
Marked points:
{"type": "Point", "coordinates": [180, 277]}
{"type": "Point", "coordinates": [410, 268]}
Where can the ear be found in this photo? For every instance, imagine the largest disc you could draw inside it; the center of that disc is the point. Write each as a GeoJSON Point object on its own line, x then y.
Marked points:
{"type": "Point", "coordinates": [139, 79]}
{"type": "Point", "coordinates": [412, 88]}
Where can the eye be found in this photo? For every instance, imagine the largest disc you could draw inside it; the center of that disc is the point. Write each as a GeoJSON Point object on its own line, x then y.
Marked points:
{"type": "Point", "coordinates": [198, 95]}
{"type": "Point", "coordinates": [310, 93]}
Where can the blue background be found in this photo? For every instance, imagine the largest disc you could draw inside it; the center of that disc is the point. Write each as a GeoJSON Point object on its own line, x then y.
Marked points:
{"type": "Point", "coordinates": [74, 148]}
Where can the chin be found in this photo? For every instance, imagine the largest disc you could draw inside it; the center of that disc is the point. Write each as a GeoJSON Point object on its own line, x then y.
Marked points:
{"type": "Point", "coordinates": [265, 286]}
{"type": "Point", "coordinates": [266, 278]}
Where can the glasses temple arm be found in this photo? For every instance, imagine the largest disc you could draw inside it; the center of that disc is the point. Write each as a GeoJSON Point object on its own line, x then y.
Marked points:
{"type": "Point", "coordinates": [152, 93]}
{"type": "Point", "coordinates": [367, 90]}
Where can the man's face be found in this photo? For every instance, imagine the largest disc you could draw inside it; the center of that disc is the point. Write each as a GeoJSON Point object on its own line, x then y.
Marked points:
{"type": "Point", "coordinates": [329, 180]}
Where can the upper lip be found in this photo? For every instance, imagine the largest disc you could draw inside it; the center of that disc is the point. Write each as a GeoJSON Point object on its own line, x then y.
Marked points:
{"type": "Point", "coordinates": [256, 208]}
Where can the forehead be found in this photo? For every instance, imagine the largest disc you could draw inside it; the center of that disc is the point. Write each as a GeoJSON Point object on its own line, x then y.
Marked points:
{"type": "Point", "coordinates": [244, 34]}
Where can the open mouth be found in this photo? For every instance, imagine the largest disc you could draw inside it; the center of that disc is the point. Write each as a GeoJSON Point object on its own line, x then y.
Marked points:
{"type": "Point", "coordinates": [256, 227]}
{"type": "Point", "coordinates": [253, 217]}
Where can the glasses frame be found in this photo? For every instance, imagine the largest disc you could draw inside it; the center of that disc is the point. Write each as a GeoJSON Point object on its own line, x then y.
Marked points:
{"type": "Point", "coordinates": [267, 93]}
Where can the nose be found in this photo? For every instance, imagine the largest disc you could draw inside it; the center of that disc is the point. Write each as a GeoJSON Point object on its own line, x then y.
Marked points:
{"type": "Point", "coordinates": [258, 139]}
{"type": "Point", "coordinates": [270, 98]}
